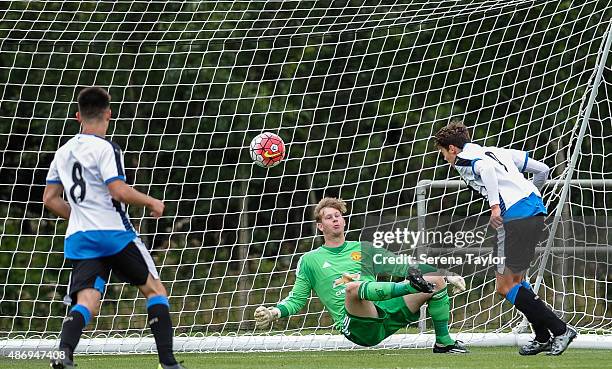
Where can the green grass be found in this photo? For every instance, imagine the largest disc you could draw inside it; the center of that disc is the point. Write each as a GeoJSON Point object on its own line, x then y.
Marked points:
{"type": "Point", "coordinates": [479, 358]}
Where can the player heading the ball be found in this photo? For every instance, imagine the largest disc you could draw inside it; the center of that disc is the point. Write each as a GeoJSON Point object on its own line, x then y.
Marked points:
{"type": "Point", "coordinates": [342, 275]}
{"type": "Point", "coordinates": [100, 237]}
{"type": "Point", "coordinates": [517, 213]}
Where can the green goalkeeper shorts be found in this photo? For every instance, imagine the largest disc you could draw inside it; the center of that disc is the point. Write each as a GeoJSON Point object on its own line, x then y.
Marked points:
{"type": "Point", "coordinates": [393, 314]}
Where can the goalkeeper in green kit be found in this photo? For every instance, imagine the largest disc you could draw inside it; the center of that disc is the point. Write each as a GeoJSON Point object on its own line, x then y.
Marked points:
{"type": "Point", "coordinates": [343, 275]}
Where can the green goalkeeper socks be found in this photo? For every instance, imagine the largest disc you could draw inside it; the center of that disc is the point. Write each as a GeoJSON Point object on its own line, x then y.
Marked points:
{"type": "Point", "coordinates": [438, 306]}
{"type": "Point", "coordinates": [439, 311]}
{"type": "Point", "coordinates": [378, 291]}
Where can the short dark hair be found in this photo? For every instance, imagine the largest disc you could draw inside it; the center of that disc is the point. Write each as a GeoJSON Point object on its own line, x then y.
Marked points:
{"type": "Point", "coordinates": [455, 133]}
{"type": "Point", "coordinates": [93, 102]}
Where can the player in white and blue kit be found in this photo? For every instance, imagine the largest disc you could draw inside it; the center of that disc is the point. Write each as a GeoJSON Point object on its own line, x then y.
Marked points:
{"type": "Point", "coordinates": [517, 213]}
{"type": "Point", "coordinates": [90, 171]}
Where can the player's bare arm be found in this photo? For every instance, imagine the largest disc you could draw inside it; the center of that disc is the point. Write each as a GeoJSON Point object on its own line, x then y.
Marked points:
{"type": "Point", "coordinates": [122, 192]}
{"type": "Point", "coordinates": [53, 200]}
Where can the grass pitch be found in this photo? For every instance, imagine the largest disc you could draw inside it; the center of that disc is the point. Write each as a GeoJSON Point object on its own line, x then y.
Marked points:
{"type": "Point", "coordinates": [479, 358]}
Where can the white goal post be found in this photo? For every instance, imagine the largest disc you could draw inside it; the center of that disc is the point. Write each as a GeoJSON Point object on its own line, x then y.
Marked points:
{"type": "Point", "coordinates": [356, 90]}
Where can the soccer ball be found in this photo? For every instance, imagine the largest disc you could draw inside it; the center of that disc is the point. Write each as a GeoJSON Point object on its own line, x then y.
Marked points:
{"type": "Point", "coordinates": [267, 150]}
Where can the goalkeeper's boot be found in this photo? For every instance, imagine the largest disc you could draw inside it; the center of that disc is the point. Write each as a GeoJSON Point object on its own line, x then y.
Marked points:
{"type": "Point", "coordinates": [415, 277]}
{"type": "Point", "coordinates": [456, 348]}
{"type": "Point", "coordinates": [560, 343]}
{"type": "Point", "coordinates": [175, 366]}
{"type": "Point", "coordinates": [534, 347]}
{"type": "Point", "coordinates": [62, 364]}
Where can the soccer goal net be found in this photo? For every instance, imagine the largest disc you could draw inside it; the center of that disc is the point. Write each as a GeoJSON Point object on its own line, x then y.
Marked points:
{"type": "Point", "coordinates": [356, 89]}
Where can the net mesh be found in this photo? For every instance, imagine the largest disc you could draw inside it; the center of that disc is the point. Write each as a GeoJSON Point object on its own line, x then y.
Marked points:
{"type": "Point", "coordinates": [355, 88]}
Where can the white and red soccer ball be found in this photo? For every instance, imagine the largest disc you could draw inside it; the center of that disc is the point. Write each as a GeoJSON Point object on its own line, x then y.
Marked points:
{"type": "Point", "coordinates": [267, 149]}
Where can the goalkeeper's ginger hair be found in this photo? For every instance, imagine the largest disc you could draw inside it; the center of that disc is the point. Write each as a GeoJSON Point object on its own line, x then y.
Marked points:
{"type": "Point", "coordinates": [329, 202]}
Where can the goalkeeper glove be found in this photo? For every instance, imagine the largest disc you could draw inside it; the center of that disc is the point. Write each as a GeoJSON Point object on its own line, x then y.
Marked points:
{"type": "Point", "coordinates": [457, 282]}
{"type": "Point", "coordinates": [264, 317]}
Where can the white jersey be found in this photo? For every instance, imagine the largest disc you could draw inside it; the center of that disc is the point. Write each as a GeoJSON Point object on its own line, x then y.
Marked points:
{"type": "Point", "coordinates": [508, 165]}
{"type": "Point", "coordinates": [98, 225]}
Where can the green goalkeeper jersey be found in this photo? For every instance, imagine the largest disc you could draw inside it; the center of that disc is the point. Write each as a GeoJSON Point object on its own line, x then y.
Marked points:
{"type": "Point", "coordinates": [327, 270]}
